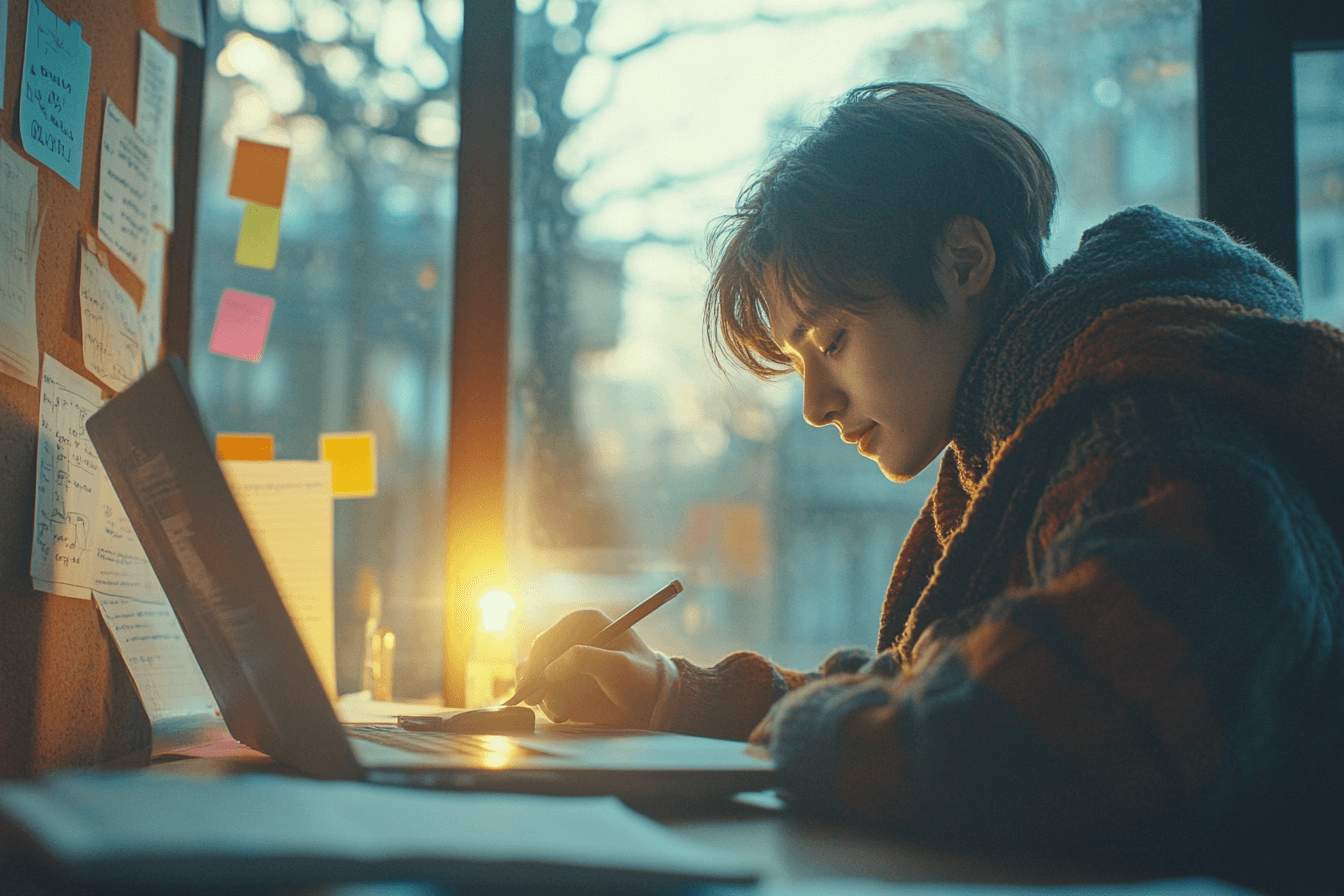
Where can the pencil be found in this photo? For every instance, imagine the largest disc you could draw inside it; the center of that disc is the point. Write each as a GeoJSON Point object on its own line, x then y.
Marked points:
{"type": "Point", "coordinates": [528, 690]}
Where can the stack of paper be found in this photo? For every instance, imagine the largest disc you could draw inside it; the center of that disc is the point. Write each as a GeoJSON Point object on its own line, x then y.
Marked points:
{"type": "Point", "coordinates": [149, 829]}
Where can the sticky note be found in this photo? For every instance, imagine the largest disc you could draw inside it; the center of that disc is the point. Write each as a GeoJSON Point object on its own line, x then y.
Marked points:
{"type": "Point", "coordinates": [244, 446]}
{"type": "Point", "coordinates": [241, 325]}
{"type": "Point", "coordinates": [259, 172]}
{"type": "Point", "coordinates": [155, 108]}
{"type": "Point", "coordinates": [55, 92]}
{"type": "Point", "coordinates": [112, 348]}
{"type": "Point", "coordinates": [354, 470]}
{"type": "Point", "coordinates": [259, 237]}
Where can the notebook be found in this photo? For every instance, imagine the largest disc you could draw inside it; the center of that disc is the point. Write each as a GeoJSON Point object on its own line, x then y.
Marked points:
{"type": "Point", "coordinates": [153, 443]}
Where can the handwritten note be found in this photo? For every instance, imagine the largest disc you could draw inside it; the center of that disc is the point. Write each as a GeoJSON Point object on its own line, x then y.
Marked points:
{"type": "Point", "coordinates": [111, 322]}
{"type": "Point", "coordinates": [4, 29]}
{"type": "Point", "coordinates": [241, 325]}
{"type": "Point", "coordinates": [181, 709]}
{"type": "Point", "coordinates": [183, 18]}
{"type": "Point", "coordinates": [155, 114]}
{"type": "Point", "coordinates": [288, 508]}
{"type": "Point", "coordinates": [125, 197]}
{"type": "Point", "coordinates": [151, 306]}
{"type": "Point", "coordinates": [65, 513]}
{"type": "Point", "coordinates": [55, 96]}
{"type": "Point", "coordinates": [19, 235]}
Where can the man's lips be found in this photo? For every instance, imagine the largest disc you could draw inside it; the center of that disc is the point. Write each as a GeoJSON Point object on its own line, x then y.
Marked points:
{"type": "Point", "coordinates": [860, 437]}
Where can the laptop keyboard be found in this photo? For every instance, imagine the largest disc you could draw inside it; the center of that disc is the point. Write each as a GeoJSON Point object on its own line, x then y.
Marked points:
{"type": "Point", "coordinates": [437, 743]}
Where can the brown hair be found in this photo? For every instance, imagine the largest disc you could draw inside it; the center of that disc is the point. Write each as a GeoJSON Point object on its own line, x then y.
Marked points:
{"type": "Point", "coordinates": [852, 214]}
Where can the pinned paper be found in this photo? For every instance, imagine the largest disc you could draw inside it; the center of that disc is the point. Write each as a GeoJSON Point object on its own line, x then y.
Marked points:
{"type": "Point", "coordinates": [183, 18]}
{"type": "Point", "coordinates": [155, 111]}
{"type": "Point", "coordinates": [182, 712]}
{"type": "Point", "coordinates": [151, 306]}
{"type": "Point", "coordinates": [259, 172]}
{"type": "Point", "coordinates": [20, 232]}
{"type": "Point", "coordinates": [111, 326]}
{"type": "Point", "coordinates": [69, 483]}
{"type": "Point", "coordinates": [55, 94]}
{"type": "Point", "coordinates": [4, 29]}
{"type": "Point", "coordinates": [241, 325]}
{"type": "Point", "coordinates": [125, 192]}
{"type": "Point", "coordinates": [244, 446]}
{"type": "Point", "coordinates": [259, 237]}
{"type": "Point", "coordinates": [354, 468]}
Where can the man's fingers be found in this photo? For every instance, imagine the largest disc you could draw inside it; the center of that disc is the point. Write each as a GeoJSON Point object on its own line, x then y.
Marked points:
{"type": "Point", "coordinates": [583, 660]}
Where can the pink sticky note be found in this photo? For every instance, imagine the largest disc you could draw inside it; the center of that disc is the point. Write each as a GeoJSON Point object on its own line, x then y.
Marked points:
{"type": "Point", "coordinates": [241, 325]}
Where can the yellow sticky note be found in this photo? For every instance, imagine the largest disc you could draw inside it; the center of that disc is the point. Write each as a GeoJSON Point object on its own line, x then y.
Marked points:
{"type": "Point", "coordinates": [259, 237]}
{"type": "Point", "coordinates": [354, 468]}
{"type": "Point", "coordinates": [244, 446]}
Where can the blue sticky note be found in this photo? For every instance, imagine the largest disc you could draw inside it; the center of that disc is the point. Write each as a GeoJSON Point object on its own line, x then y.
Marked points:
{"type": "Point", "coordinates": [55, 95]}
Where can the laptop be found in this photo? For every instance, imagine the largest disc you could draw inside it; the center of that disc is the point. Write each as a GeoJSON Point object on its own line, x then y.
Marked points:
{"type": "Point", "coordinates": [153, 443]}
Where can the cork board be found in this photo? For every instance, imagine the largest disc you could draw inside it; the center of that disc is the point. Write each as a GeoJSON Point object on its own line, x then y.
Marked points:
{"type": "Point", "coordinates": [66, 698]}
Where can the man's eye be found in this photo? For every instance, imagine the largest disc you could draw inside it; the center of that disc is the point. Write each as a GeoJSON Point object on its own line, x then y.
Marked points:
{"type": "Point", "coordinates": [836, 343]}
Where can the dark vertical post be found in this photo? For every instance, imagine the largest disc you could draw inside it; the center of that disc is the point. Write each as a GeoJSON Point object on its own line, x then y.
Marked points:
{"type": "Point", "coordinates": [1247, 147]}
{"type": "Point", "coordinates": [480, 340]}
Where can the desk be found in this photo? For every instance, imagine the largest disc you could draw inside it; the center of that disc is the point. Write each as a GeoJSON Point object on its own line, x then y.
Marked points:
{"type": "Point", "coordinates": [787, 848]}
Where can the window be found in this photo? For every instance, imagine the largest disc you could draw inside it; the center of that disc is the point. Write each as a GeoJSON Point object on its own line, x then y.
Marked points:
{"type": "Point", "coordinates": [364, 95]}
{"type": "Point", "coordinates": [1318, 87]}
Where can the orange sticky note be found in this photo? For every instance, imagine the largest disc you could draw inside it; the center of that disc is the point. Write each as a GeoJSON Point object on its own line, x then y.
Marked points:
{"type": "Point", "coordinates": [354, 469]}
{"type": "Point", "coordinates": [259, 237]}
{"type": "Point", "coordinates": [244, 446]}
{"type": "Point", "coordinates": [259, 172]}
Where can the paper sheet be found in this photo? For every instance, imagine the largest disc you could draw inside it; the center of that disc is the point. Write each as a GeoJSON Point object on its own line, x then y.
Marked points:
{"type": "Point", "coordinates": [241, 325]}
{"type": "Point", "coordinates": [259, 173]}
{"type": "Point", "coordinates": [155, 114]}
{"type": "Point", "coordinates": [69, 475]}
{"type": "Point", "coordinates": [277, 829]}
{"type": "Point", "coordinates": [181, 709]}
{"type": "Point", "coordinates": [20, 233]}
{"type": "Point", "coordinates": [125, 191]}
{"type": "Point", "coordinates": [183, 18]}
{"type": "Point", "coordinates": [288, 508]}
{"type": "Point", "coordinates": [111, 326]}
{"type": "Point", "coordinates": [258, 237]}
{"type": "Point", "coordinates": [4, 29]}
{"type": "Point", "coordinates": [354, 463]}
{"type": "Point", "coordinates": [55, 95]}
{"type": "Point", "coordinates": [151, 306]}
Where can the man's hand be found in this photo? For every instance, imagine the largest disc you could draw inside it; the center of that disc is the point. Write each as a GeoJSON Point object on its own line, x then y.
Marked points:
{"type": "Point", "coordinates": [616, 685]}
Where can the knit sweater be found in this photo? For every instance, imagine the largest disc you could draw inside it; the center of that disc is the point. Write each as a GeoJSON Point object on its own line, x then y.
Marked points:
{"type": "Point", "coordinates": [1111, 627]}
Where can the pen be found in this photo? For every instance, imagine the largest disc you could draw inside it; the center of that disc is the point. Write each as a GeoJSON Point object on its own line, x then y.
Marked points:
{"type": "Point", "coordinates": [529, 689]}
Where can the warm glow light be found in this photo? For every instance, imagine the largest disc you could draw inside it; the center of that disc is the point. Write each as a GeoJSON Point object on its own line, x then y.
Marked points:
{"type": "Point", "coordinates": [495, 609]}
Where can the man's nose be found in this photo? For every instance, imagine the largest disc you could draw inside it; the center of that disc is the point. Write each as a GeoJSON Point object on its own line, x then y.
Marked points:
{"type": "Point", "coordinates": [823, 400]}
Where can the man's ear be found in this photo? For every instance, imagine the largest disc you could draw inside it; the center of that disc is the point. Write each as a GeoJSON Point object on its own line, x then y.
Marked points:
{"type": "Point", "coordinates": [964, 261]}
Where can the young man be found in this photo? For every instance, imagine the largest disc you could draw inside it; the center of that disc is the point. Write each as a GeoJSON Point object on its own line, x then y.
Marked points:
{"type": "Point", "coordinates": [1113, 627]}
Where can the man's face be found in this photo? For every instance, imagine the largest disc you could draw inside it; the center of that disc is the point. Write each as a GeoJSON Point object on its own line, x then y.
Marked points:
{"type": "Point", "coordinates": [887, 380]}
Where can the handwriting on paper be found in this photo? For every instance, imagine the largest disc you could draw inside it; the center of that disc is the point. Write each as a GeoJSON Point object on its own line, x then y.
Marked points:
{"type": "Point", "coordinates": [155, 114]}
{"type": "Point", "coordinates": [111, 324]}
{"type": "Point", "coordinates": [55, 95]}
{"type": "Point", "coordinates": [125, 192]}
{"type": "Point", "coordinates": [19, 234]}
{"type": "Point", "coordinates": [65, 511]}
